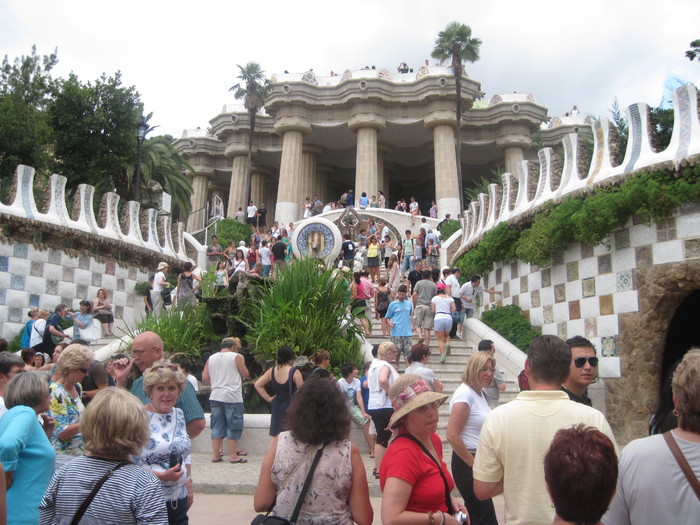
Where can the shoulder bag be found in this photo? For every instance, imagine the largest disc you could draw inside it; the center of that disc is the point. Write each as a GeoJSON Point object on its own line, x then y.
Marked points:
{"type": "Point", "coordinates": [682, 462]}
{"type": "Point", "coordinates": [266, 519]}
{"type": "Point", "coordinates": [78, 515]}
{"type": "Point", "coordinates": [448, 500]}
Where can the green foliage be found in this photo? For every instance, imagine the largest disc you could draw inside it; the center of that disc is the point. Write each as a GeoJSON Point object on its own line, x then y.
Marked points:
{"type": "Point", "coordinates": [307, 308]}
{"type": "Point", "coordinates": [185, 330]}
{"type": "Point", "coordinates": [588, 219]}
{"type": "Point", "coordinates": [509, 322]}
{"type": "Point", "coordinates": [694, 52]}
{"type": "Point", "coordinates": [231, 230]}
{"type": "Point", "coordinates": [482, 185]}
{"type": "Point", "coordinates": [26, 87]}
{"type": "Point", "coordinates": [208, 284]}
{"type": "Point", "coordinates": [497, 245]}
{"type": "Point", "coordinates": [620, 124]}
{"type": "Point", "coordinates": [448, 228]}
{"type": "Point", "coordinates": [662, 119]}
{"type": "Point", "coordinates": [94, 132]}
{"type": "Point", "coordinates": [141, 288]}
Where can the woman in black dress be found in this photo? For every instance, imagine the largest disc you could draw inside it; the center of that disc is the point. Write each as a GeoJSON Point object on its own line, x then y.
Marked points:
{"type": "Point", "coordinates": [285, 380]}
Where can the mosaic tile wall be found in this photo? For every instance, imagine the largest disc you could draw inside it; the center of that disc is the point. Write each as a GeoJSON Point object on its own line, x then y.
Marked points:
{"type": "Point", "coordinates": [31, 278]}
{"type": "Point", "coordinates": [588, 287]}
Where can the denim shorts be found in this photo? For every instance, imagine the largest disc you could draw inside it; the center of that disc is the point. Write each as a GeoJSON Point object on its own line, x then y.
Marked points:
{"type": "Point", "coordinates": [226, 420]}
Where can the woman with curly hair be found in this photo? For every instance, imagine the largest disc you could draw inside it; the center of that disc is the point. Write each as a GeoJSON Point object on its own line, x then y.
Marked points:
{"type": "Point", "coordinates": [338, 491]}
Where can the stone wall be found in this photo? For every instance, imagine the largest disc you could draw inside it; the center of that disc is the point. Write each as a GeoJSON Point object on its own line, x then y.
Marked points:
{"type": "Point", "coordinates": [622, 295]}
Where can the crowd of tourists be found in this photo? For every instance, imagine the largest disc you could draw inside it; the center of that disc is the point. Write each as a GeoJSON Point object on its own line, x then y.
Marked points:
{"type": "Point", "coordinates": [121, 452]}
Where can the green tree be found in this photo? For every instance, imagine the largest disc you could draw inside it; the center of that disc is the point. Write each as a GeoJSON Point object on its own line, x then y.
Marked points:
{"type": "Point", "coordinates": [162, 167]}
{"type": "Point", "coordinates": [252, 89]}
{"type": "Point", "coordinates": [694, 52]}
{"type": "Point", "coordinates": [94, 132]}
{"type": "Point", "coordinates": [26, 88]}
{"type": "Point", "coordinates": [456, 44]}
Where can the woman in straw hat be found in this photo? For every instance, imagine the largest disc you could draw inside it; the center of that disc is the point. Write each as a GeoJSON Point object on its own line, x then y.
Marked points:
{"type": "Point", "coordinates": [160, 283]}
{"type": "Point", "coordinates": [415, 482]}
{"type": "Point", "coordinates": [468, 410]}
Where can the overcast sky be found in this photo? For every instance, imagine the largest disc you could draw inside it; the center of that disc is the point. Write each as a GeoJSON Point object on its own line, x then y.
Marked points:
{"type": "Point", "coordinates": [182, 56]}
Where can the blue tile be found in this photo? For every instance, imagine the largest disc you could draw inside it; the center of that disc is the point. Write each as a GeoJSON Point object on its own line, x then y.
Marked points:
{"type": "Point", "coordinates": [2, 297]}
{"type": "Point", "coordinates": [21, 250]}
{"type": "Point", "coordinates": [17, 282]}
{"type": "Point", "coordinates": [4, 264]}
{"type": "Point", "coordinates": [34, 300]}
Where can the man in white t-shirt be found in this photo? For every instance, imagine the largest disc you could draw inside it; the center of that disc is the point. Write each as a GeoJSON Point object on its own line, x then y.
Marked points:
{"type": "Point", "coordinates": [265, 258]}
{"type": "Point", "coordinates": [515, 436]}
{"type": "Point", "coordinates": [252, 211]}
{"type": "Point", "coordinates": [469, 292]}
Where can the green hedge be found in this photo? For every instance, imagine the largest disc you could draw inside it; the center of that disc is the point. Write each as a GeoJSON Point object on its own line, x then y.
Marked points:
{"type": "Point", "coordinates": [510, 323]}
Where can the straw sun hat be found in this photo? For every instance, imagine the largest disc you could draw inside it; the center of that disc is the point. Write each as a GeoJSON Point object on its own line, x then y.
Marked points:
{"type": "Point", "coordinates": [162, 266]}
{"type": "Point", "coordinates": [409, 392]}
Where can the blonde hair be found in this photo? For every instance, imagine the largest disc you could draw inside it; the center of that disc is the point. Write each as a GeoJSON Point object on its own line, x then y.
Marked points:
{"type": "Point", "coordinates": [470, 374]}
{"type": "Point", "coordinates": [115, 424]}
{"type": "Point", "coordinates": [161, 373]}
{"type": "Point", "coordinates": [73, 357]}
{"type": "Point", "coordinates": [686, 389]}
{"type": "Point", "coordinates": [320, 355]}
{"type": "Point", "coordinates": [43, 314]}
{"type": "Point", "coordinates": [384, 349]}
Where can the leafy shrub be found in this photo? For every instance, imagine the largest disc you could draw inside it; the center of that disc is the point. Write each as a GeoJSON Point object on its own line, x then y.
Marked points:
{"type": "Point", "coordinates": [448, 228]}
{"type": "Point", "coordinates": [307, 308]}
{"type": "Point", "coordinates": [510, 323]}
{"type": "Point", "coordinates": [231, 230]}
{"type": "Point", "coordinates": [497, 245]}
{"type": "Point", "coordinates": [185, 330]}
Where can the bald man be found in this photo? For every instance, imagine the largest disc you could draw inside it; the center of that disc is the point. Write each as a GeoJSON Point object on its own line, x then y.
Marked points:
{"type": "Point", "coordinates": [148, 348]}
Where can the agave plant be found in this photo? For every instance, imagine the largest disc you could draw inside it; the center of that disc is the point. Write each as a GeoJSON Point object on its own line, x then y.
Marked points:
{"type": "Point", "coordinates": [307, 307]}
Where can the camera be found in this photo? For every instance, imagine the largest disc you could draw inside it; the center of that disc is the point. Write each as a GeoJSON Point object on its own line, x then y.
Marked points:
{"type": "Point", "coordinates": [461, 517]}
{"type": "Point", "coordinates": [175, 459]}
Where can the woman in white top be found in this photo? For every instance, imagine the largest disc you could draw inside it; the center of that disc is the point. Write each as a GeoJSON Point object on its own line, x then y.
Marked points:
{"type": "Point", "coordinates": [37, 335]}
{"type": "Point", "coordinates": [225, 372]}
{"type": "Point", "coordinates": [380, 376]}
{"type": "Point", "coordinates": [468, 410]}
{"type": "Point", "coordinates": [239, 264]}
{"type": "Point", "coordinates": [159, 284]}
{"type": "Point", "coordinates": [442, 307]}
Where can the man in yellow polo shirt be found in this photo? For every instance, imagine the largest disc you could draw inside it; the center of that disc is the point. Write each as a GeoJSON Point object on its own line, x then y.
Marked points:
{"type": "Point", "coordinates": [515, 436]}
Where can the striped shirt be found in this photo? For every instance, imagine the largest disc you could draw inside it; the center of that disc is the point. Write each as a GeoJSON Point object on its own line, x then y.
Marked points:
{"type": "Point", "coordinates": [130, 496]}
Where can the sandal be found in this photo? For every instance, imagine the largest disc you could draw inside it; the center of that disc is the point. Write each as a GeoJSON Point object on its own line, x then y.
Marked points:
{"type": "Point", "coordinates": [219, 460]}
{"type": "Point", "coordinates": [239, 460]}
{"type": "Point", "coordinates": [241, 453]}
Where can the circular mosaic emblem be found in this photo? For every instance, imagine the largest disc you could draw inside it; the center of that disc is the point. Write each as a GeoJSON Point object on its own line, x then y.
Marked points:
{"type": "Point", "coordinates": [318, 238]}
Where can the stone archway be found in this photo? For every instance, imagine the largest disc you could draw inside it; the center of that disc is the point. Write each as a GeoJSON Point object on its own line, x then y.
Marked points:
{"type": "Point", "coordinates": [631, 399]}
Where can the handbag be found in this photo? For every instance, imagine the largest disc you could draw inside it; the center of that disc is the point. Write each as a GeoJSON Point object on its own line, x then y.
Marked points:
{"type": "Point", "coordinates": [276, 520]}
{"type": "Point", "coordinates": [104, 311]}
{"type": "Point", "coordinates": [167, 298]}
{"type": "Point", "coordinates": [91, 332]}
{"type": "Point", "coordinates": [682, 462]}
{"type": "Point", "coordinates": [78, 515]}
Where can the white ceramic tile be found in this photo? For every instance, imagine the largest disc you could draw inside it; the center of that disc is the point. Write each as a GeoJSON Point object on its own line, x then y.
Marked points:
{"type": "Point", "coordinates": [535, 281]}
{"type": "Point", "coordinates": [19, 266]}
{"type": "Point", "coordinates": [97, 267]}
{"type": "Point", "coordinates": [588, 267]}
{"type": "Point", "coordinates": [602, 248]}
{"type": "Point", "coordinates": [536, 317]}
{"type": "Point", "coordinates": [561, 312]}
{"type": "Point", "coordinates": [66, 289]}
{"type": "Point", "coordinates": [53, 271]}
{"type": "Point", "coordinates": [573, 290]}
{"type": "Point", "coordinates": [109, 282]}
{"type": "Point", "coordinates": [38, 255]}
{"type": "Point", "coordinates": [609, 367]}
{"type": "Point", "coordinates": [623, 260]}
{"type": "Point", "coordinates": [558, 274]}
{"type": "Point", "coordinates": [665, 252]}
{"type": "Point", "coordinates": [590, 307]}
{"type": "Point", "coordinates": [626, 302]}
{"type": "Point", "coordinates": [606, 284]}
{"type": "Point", "coordinates": [4, 280]}
{"type": "Point", "coordinates": [83, 277]}
{"type": "Point", "coordinates": [549, 329]}
{"type": "Point", "coordinates": [641, 235]}
{"type": "Point", "coordinates": [16, 298]}
{"type": "Point", "coordinates": [573, 253]}
{"type": "Point", "coordinates": [575, 327]}
{"type": "Point", "coordinates": [608, 325]}
{"type": "Point", "coordinates": [35, 285]}
{"type": "Point", "coordinates": [688, 226]}
{"type": "Point", "coordinates": [525, 302]}
{"type": "Point", "coordinates": [547, 295]}
{"type": "Point", "coordinates": [515, 287]}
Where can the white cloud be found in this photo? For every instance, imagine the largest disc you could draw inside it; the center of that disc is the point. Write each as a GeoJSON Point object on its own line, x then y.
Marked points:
{"type": "Point", "coordinates": [182, 56]}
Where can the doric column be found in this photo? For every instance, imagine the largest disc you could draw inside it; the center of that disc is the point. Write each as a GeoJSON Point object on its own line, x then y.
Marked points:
{"type": "Point", "coordinates": [367, 126]}
{"type": "Point", "coordinates": [292, 130]}
{"type": "Point", "coordinates": [257, 186]}
{"type": "Point", "coordinates": [514, 139]}
{"type": "Point", "coordinates": [308, 182]}
{"type": "Point", "coordinates": [323, 171]}
{"type": "Point", "coordinates": [238, 191]}
{"type": "Point", "coordinates": [446, 183]}
{"type": "Point", "coordinates": [198, 199]}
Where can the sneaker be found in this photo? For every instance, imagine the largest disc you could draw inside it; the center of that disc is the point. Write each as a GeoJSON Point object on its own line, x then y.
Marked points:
{"type": "Point", "coordinates": [448, 349]}
{"type": "Point", "coordinates": [443, 358]}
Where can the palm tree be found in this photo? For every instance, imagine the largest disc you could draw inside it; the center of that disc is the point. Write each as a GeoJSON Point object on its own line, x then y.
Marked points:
{"type": "Point", "coordinates": [455, 43]}
{"type": "Point", "coordinates": [162, 165]}
{"type": "Point", "coordinates": [253, 90]}
{"type": "Point", "coordinates": [694, 51]}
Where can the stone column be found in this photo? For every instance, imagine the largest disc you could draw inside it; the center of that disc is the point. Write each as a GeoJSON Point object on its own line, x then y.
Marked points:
{"type": "Point", "coordinates": [514, 140]}
{"type": "Point", "coordinates": [309, 181]}
{"type": "Point", "coordinates": [198, 200]}
{"type": "Point", "coordinates": [367, 126]}
{"type": "Point", "coordinates": [257, 186]}
{"type": "Point", "coordinates": [238, 191]}
{"type": "Point", "coordinates": [323, 171]}
{"type": "Point", "coordinates": [446, 183]}
{"type": "Point", "coordinates": [292, 130]}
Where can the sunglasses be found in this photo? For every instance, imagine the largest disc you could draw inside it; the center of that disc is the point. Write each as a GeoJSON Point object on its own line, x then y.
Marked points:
{"type": "Point", "coordinates": [83, 370]}
{"type": "Point", "coordinates": [580, 361]}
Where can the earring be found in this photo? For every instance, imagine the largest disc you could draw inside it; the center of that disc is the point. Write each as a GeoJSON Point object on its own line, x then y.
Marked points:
{"type": "Point", "coordinates": [675, 412]}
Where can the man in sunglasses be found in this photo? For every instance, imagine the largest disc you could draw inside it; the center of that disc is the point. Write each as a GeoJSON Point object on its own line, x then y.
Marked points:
{"type": "Point", "coordinates": [583, 370]}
